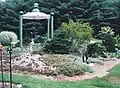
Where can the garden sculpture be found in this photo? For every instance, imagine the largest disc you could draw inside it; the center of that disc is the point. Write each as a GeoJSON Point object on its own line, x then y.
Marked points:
{"type": "Point", "coordinates": [31, 45]}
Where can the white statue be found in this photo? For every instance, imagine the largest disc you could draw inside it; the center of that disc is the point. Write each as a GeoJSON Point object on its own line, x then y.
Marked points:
{"type": "Point", "coordinates": [31, 45]}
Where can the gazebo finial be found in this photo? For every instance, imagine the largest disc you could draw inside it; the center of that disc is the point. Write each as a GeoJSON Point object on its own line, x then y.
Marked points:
{"type": "Point", "coordinates": [36, 6]}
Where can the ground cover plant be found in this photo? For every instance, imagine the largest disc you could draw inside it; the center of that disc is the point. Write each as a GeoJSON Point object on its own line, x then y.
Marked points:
{"type": "Point", "coordinates": [108, 81]}
{"type": "Point", "coordinates": [69, 65]}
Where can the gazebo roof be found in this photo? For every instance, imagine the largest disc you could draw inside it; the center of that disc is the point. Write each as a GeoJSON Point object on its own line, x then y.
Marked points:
{"type": "Point", "coordinates": [36, 15]}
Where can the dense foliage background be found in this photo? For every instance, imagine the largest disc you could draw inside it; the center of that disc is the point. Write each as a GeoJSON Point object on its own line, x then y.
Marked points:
{"type": "Point", "coordinates": [97, 12]}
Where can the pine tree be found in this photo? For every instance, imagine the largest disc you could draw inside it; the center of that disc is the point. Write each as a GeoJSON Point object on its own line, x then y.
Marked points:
{"type": "Point", "coordinates": [9, 17]}
{"type": "Point", "coordinates": [97, 12]}
{"type": "Point", "coordinates": [116, 22]}
{"type": "Point", "coordinates": [60, 44]}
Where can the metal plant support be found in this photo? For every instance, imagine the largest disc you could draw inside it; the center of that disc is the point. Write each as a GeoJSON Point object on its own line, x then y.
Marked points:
{"type": "Point", "coordinates": [10, 52]}
{"type": "Point", "coordinates": [1, 66]}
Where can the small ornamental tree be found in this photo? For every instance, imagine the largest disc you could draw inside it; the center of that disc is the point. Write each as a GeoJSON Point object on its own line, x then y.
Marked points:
{"type": "Point", "coordinates": [70, 37]}
{"type": "Point", "coordinates": [96, 49]}
{"type": "Point", "coordinates": [77, 31]}
{"type": "Point", "coordinates": [107, 36]}
{"type": "Point", "coordinates": [80, 34]}
{"type": "Point", "coordinates": [6, 38]}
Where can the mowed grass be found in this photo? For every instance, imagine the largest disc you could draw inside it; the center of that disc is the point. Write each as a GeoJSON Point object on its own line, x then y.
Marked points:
{"type": "Point", "coordinates": [109, 81]}
{"type": "Point", "coordinates": [115, 71]}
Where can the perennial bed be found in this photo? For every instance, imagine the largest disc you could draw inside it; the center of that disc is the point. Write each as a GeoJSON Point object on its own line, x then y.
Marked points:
{"type": "Point", "coordinates": [47, 64]}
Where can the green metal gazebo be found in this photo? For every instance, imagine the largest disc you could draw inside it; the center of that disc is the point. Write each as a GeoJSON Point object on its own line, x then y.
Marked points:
{"type": "Point", "coordinates": [36, 15]}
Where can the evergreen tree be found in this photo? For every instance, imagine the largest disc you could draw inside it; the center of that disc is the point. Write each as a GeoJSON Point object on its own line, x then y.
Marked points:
{"type": "Point", "coordinates": [116, 22]}
{"type": "Point", "coordinates": [9, 18]}
{"type": "Point", "coordinates": [97, 12]}
{"type": "Point", "coordinates": [60, 44]}
{"type": "Point", "coordinates": [107, 36]}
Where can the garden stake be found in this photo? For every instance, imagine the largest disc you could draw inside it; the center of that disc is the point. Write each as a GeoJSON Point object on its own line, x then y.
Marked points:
{"type": "Point", "coordinates": [1, 66]}
{"type": "Point", "coordinates": [10, 52]}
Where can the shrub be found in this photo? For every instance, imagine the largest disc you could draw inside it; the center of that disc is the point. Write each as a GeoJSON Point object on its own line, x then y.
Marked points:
{"type": "Point", "coordinates": [78, 31]}
{"type": "Point", "coordinates": [117, 39]}
{"type": "Point", "coordinates": [96, 49]}
{"type": "Point", "coordinates": [107, 36]}
{"type": "Point", "coordinates": [116, 54]}
{"type": "Point", "coordinates": [71, 69]}
{"type": "Point", "coordinates": [7, 37]}
{"type": "Point", "coordinates": [80, 34]}
{"type": "Point", "coordinates": [59, 44]}
{"type": "Point", "coordinates": [40, 39]}
{"type": "Point", "coordinates": [69, 37]}
{"type": "Point", "coordinates": [68, 65]}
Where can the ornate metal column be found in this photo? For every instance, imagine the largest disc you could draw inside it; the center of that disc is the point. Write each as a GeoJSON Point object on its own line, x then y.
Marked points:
{"type": "Point", "coordinates": [1, 48]}
{"type": "Point", "coordinates": [21, 29]}
{"type": "Point", "coordinates": [48, 29]}
{"type": "Point", "coordinates": [52, 22]}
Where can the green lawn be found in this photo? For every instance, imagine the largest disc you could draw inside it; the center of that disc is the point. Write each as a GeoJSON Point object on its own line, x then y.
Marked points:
{"type": "Point", "coordinates": [104, 82]}
{"type": "Point", "coordinates": [115, 71]}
